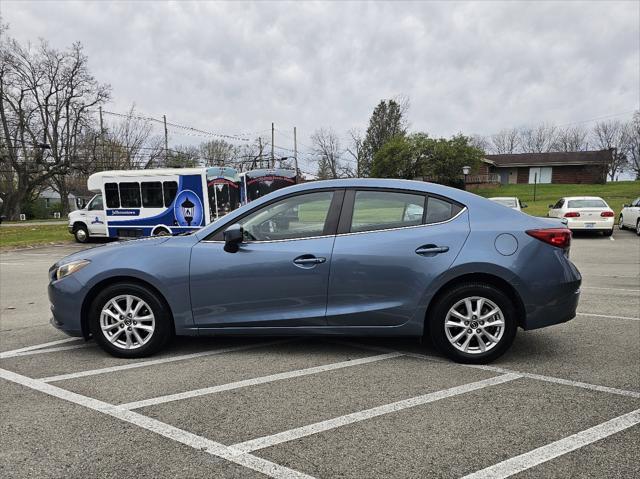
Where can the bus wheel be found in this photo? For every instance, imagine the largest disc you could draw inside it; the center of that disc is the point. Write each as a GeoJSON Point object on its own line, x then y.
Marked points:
{"type": "Point", "coordinates": [161, 232]}
{"type": "Point", "coordinates": [81, 234]}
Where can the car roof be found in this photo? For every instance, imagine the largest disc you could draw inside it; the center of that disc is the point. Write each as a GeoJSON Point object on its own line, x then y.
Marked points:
{"type": "Point", "coordinates": [503, 198]}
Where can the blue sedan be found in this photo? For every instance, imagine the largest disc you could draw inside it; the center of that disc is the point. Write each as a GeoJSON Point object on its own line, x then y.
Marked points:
{"type": "Point", "coordinates": [340, 257]}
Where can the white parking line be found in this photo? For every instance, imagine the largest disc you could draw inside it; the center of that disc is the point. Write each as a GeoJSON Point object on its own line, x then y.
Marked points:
{"type": "Point", "coordinates": [297, 433]}
{"type": "Point", "coordinates": [255, 381]}
{"type": "Point", "coordinates": [152, 362]}
{"type": "Point", "coordinates": [538, 377]}
{"type": "Point", "coordinates": [50, 350]}
{"type": "Point", "coordinates": [611, 289]}
{"type": "Point", "coordinates": [37, 346]}
{"type": "Point", "coordinates": [608, 317]}
{"type": "Point", "coordinates": [199, 443]}
{"type": "Point", "coordinates": [542, 454]}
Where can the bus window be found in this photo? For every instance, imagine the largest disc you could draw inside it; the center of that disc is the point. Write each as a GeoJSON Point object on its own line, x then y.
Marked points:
{"type": "Point", "coordinates": [111, 195]}
{"type": "Point", "coordinates": [130, 195]}
{"type": "Point", "coordinates": [151, 194]}
{"type": "Point", "coordinates": [170, 190]}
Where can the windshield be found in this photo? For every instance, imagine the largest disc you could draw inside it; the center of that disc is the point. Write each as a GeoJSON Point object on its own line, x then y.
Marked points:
{"type": "Point", "coordinates": [511, 203]}
{"type": "Point", "coordinates": [586, 204]}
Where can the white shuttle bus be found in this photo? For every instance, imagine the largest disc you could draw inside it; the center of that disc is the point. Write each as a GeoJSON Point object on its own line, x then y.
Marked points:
{"type": "Point", "coordinates": [137, 203]}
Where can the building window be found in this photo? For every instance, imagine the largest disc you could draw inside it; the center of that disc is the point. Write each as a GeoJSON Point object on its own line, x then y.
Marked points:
{"type": "Point", "coordinates": [540, 174]}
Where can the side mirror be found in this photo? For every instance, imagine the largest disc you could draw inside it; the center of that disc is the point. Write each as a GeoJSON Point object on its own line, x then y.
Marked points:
{"type": "Point", "coordinates": [80, 203]}
{"type": "Point", "coordinates": [626, 205]}
{"type": "Point", "coordinates": [524, 205]}
{"type": "Point", "coordinates": [233, 236]}
{"type": "Point", "coordinates": [551, 206]}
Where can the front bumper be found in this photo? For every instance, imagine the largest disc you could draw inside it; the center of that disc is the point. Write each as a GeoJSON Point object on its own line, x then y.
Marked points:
{"type": "Point", "coordinates": [66, 297]}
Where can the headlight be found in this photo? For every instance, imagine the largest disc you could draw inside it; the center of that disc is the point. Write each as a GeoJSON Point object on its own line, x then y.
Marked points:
{"type": "Point", "coordinates": [70, 268]}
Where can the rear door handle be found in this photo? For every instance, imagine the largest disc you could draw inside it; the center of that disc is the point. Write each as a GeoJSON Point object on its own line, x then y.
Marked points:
{"type": "Point", "coordinates": [431, 249]}
{"type": "Point", "coordinates": [308, 261]}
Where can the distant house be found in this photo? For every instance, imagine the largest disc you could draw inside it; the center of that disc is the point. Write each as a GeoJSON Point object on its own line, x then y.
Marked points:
{"type": "Point", "coordinates": [556, 167]}
{"type": "Point", "coordinates": [50, 197]}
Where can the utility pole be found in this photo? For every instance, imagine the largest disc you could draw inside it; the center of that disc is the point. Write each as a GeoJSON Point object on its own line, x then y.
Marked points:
{"type": "Point", "coordinates": [101, 136]}
{"type": "Point", "coordinates": [295, 152]}
{"type": "Point", "coordinates": [166, 140]}
{"type": "Point", "coordinates": [273, 160]}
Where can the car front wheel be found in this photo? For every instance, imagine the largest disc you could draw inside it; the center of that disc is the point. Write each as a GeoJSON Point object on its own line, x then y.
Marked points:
{"type": "Point", "coordinates": [473, 323]}
{"type": "Point", "coordinates": [129, 320]}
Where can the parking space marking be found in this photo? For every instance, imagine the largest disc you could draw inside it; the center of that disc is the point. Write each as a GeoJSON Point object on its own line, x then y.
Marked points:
{"type": "Point", "coordinates": [47, 350]}
{"type": "Point", "coordinates": [260, 380]}
{"type": "Point", "coordinates": [558, 448]}
{"type": "Point", "coordinates": [611, 289]}
{"type": "Point", "coordinates": [609, 317]}
{"type": "Point", "coordinates": [37, 346]}
{"type": "Point", "coordinates": [199, 443]}
{"type": "Point", "coordinates": [299, 432]}
{"type": "Point", "coordinates": [496, 369]}
{"type": "Point", "coordinates": [153, 362]}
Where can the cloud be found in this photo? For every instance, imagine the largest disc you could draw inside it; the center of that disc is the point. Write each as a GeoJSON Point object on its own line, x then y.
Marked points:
{"type": "Point", "coordinates": [236, 67]}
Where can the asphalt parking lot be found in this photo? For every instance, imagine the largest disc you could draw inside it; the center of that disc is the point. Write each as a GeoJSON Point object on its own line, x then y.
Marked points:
{"type": "Point", "coordinates": [563, 402]}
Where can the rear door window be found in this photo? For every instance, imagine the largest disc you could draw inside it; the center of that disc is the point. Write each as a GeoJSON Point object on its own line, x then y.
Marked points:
{"type": "Point", "coordinates": [379, 210]}
{"type": "Point", "coordinates": [439, 210]}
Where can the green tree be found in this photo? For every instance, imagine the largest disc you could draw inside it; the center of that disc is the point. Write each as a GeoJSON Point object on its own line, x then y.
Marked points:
{"type": "Point", "coordinates": [414, 156]}
{"type": "Point", "coordinates": [387, 121]}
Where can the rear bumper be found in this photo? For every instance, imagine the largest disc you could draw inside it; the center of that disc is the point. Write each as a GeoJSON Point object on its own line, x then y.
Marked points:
{"type": "Point", "coordinates": [553, 302]}
{"type": "Point", "coordinates": [599, 224]}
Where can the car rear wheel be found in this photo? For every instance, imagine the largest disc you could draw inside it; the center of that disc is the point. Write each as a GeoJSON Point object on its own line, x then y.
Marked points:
{"type": "Point", "coordinates": [129, 320]}
{"type": "Point", "coordinates": [81, 233]}
{"type": "Point", "coordinates": [473, 323]}
{"type": "Point", "coordinates": [638, 227]}
{"type": "Point", "coordinates": [621, 223]}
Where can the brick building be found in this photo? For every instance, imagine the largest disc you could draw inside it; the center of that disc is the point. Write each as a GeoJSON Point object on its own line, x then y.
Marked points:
{"type": "Point", "coordinates": [556, 167]}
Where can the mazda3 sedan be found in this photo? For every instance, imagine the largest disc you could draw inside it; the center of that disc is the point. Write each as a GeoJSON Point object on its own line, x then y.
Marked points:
{"type": "Point", "coordinates": [341, 257]}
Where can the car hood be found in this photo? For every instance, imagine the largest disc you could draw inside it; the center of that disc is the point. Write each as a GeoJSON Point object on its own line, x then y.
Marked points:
{"type": "Point", "coordinates": [109, 247]}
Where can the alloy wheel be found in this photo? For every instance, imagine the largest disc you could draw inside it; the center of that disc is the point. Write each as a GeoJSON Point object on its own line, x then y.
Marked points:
{"type": "Point", "coordinates": [127, 322]}
{"type": "Point", "coordinates": [474, 325]}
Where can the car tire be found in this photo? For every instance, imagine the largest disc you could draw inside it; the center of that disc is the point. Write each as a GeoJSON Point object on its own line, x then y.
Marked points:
{"type": "Point", "coordinates": [638, 227]}
{"type": "Point", "coordinates": [81, 234]}
{"type": "Point", "coordinates": [620, 223]}
{"type": "Point", "coordinates": [130, 328]}
{"type": "Point", "coordinates": [445, 337]}
{"type": "Point", "coordinates": [608, 232]}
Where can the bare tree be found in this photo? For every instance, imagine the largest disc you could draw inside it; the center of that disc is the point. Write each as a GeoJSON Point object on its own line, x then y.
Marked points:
{"type": "Point", "coordinates": [540, 139]}
{"type": "Point", "coordinates": [45, 100]}
{"type": "Point", "coordinates": [633, 135]}
{"type": "Point", "coordinates": [571, 139]}
{"type": "Point", "coordinates": [217, 152]}
{"type": "Point", "coordinates": [613, 135]}
{"type": "Point", "coordinates": [480, 142]}
{"type": "Point", "coordinates": [327, 148]}
{"type": "Point", "coordinates": [505, 142]}
{"type": "Point", "coordinates": [356, 151]}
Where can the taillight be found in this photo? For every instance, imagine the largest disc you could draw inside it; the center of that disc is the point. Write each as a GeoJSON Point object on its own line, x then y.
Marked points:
{"type": "Point", "coordinates": [560, 237]}
{"type": "Point", "coordinates": [606, 214]}
{"type": "Point", "coordinates": [572, 214]}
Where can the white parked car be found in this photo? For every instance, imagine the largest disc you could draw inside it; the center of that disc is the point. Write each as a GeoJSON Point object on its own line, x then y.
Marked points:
{"type": "Point", "coordinates": [509, 201]}
{"type": "Point", "coordinates": [630, 216]}
{"type": "Point", "coordinates": [584, 213]}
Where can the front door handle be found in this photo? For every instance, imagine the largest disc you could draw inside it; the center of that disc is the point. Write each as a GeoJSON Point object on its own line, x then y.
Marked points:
{"type": "Point", "coordinates": [431, 250]}
{"type": "Point", "coordinates": [308, 261]}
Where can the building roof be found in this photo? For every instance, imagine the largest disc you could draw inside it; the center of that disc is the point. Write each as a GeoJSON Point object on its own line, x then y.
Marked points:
{"type": "Point", "coordinates": [601, 157]}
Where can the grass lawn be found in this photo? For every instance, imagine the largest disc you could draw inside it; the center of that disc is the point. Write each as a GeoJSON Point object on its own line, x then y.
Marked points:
{"type": "Point", "coordinates": [615, 194]}
{"type": "Point", "coordinates": [16, 236]}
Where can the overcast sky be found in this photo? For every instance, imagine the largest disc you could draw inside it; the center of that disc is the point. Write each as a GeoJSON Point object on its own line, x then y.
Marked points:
{"type": "Point", "coordinates": [466, 67]}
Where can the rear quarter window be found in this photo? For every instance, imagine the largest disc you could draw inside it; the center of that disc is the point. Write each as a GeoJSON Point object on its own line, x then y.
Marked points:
{"type": "Point", "coordinates": [439, 210]}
